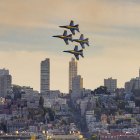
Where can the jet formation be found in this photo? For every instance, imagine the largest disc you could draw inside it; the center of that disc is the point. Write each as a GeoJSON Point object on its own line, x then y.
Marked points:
{"type": "Point", "coordinates": [76, 52]}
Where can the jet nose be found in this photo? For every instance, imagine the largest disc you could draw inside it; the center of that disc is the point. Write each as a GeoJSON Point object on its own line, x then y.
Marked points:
{"type": "Point", "coordinates": [65, 51]}
{"type": "Point", "coordinates": [61, 26]}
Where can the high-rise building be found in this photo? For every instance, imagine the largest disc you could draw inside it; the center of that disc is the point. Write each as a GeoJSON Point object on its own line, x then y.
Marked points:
{"type": "Point", "coordinates": [111, 84]}
{"type": "Point", "coordinates": [5, 82]}
{"type": "Point", "coordinates": [77, 87]}
{"type": "Point", "coordinates": [139, 72]}
{"type": "Point", "coordinates": [45, 76]}
{"type": "Point", "coordinates": [133, 84]}
{"type": "Point", "coordinates": [72, 72]}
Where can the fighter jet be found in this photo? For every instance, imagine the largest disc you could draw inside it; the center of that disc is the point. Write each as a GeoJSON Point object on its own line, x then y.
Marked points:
{"type": "Point", "coordinates": [65, 37]}
{"type": "Point", "coordinates": [76, 52]}
{"type": "Point", "coordinates": [72, 27]}
{"type": "Point", "coordinates": [82, 41]}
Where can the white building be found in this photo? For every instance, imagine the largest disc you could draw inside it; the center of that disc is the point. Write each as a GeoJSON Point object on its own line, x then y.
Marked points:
{"type": "Point", "coordinates": [45, 76]}
{"type": "Point", "coordinates": [72, 72]}
{"type": "Point", "coordinates": [29, 93]}
{"type": "Point", "coordinates": [5, 82]}
{"type": "Point", "coordinates": [90, 117]}
{"type": "Point", "coordinates": [50, 102]}
{"type": "Point", "coordinates": [131, 104]}
{"type": "Point", "coordinates": [111, 84]}
{"type": "Point", "coordinates": [31, 96]}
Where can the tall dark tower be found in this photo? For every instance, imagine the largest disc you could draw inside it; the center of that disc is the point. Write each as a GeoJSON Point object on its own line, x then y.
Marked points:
{"type": "Point", "coordinates": [45, 76]}
{"type": "Point", "coordinates": [72, 72]}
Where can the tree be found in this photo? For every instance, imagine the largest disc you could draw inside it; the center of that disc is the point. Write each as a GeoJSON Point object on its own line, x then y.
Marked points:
{"type": "Point", "coordinates": [100, 90]}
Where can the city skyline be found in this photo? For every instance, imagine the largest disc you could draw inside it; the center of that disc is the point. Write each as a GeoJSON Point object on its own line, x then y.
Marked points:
{"type": "Point", "coordinates": [113, 28]}
{"type": "Point", "coordinates": [47, 63]}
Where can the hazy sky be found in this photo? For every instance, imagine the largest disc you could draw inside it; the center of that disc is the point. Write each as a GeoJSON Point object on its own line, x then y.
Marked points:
{"type": "Point", "coordinates": [27, 27]}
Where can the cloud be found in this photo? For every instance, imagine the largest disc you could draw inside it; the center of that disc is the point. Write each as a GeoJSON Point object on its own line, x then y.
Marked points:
{"type": "Point", "coordinates": [47, 13]}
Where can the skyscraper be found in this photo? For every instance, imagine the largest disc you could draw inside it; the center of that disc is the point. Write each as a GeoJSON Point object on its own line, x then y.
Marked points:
{"type": "Point", "coordinates": [72, 72]}
{"type": "Point", "coordinates": [77, 83]}
{"type": "Point", "coordinates": [77, 87]}
{"type": "Point", "coordinates": [139, 72]}
{"type": "Point", "coordinates": [133, 84]}
{"type": "Point", "coordinates": [5, 82]}
{"type": "Point", "coordinates": [45, 76]}
{"type": "Point", "coordinates": [111, 84]}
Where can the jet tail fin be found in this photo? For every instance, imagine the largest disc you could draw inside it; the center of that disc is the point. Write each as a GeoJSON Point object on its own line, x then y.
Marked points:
{"type": "Point", "coordinates": [70, 37]}
{"type": "Point", "coordinates": [81, 53]}
{"type": "Point", "coordinates": [87, 41]}
{"type": "Point", "coordinates": [77, 27]}
{"type": "Point", "coordinates": [71, 23]}
{"type": "Point", "coordinates": [81, 37]}
{"type": "Point", "coordinates": [76, 48]}
{"type": "Point", "coordinates": [65, 33]}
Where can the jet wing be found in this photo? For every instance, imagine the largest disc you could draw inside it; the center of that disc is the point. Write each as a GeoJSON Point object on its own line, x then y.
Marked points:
{"type": "Point", "coordinates": [76, 56]}
{"type": "Point", "coordinates": [73, 31]}
{"type": "Point", "coordinates": [65, 33]}
{"type": "Point", "coordinates": [82, 37]}
{"type": "Point", "coordinates": [66, 41]}
{"type": "Point", "coordinates": [82, 45]}
{"type": "Point", "coordinates": [71, 23]}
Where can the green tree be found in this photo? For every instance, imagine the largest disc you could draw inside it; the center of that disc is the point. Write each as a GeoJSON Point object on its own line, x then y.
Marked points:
{"type": "Point", "coordinates": [101, 90]}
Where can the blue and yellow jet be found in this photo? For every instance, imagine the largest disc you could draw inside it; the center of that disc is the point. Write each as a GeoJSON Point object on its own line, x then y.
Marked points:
{"type": "Point", "coordinates": [65, 37]}
{"type": "Point", "coordinates": [82, 41]}
{"type": "Point", "coordinates": [76, 52]}
{"type": "Point", "coordinates": [72, 27]}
